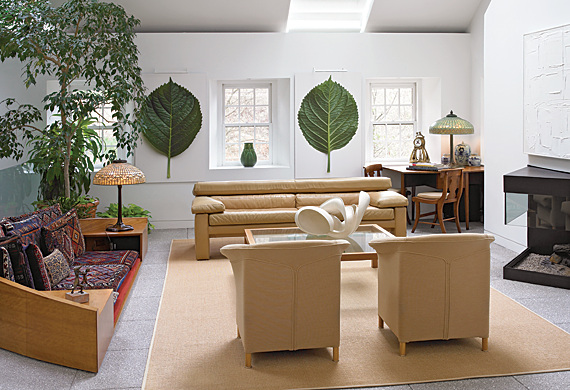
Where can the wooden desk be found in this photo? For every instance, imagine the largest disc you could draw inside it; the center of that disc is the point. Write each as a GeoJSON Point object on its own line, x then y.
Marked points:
{"type": "Point", "coordinates": [97, 238]}
{"type": "Point", "coordinates": [412, 179]}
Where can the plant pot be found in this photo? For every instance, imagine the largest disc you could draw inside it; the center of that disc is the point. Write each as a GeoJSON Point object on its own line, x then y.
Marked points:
{"type": "Point", "coordinates": [91, 208]}
{"type": "Point", "coordinates": [248, 156]}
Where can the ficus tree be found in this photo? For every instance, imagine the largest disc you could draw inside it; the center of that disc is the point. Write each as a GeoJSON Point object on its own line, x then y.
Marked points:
{"type": "Point", "coordinates": [81, 40]}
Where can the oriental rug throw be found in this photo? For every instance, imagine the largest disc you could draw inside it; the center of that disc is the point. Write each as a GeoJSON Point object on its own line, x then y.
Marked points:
{"type": "Point", "coordinates": [195, 344]}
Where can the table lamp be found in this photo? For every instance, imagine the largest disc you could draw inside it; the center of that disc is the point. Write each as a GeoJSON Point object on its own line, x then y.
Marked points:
{"type": "Point", "coordinates": [451, 124]}
{"type": "Point", "coordinates": [119, 173]}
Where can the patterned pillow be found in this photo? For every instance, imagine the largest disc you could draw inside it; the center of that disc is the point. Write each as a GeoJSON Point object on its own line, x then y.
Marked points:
{"type": "Point", "coordinates": [6, 270]}
{"type": "Point", "coordinates": [20, 266]}
{"type": "Point", "coordinates": [126, 257]}
{"type": "Point", "coordinates": [57, 239]}
{"type": "Point", "coordinates": [57, 267]}
{"type": "Point", "coordinates": [98, 276]}
{"type": "Point", "coordinates": [37, 266]}
{"type": "Point", "coordinates": [70, 223]}
{"type": "Point", "coordinates": [29, 230]}
{"type": "Point", "coordinates": [1, 230]}
{"type": "Point", "coordinates": [46, 216]}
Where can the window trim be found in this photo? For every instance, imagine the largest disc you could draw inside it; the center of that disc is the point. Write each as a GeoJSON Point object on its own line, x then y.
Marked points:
{"type": "Point", "coordinates": [221, 118]}
{"type": "Point", "coordinates": [416, 103]}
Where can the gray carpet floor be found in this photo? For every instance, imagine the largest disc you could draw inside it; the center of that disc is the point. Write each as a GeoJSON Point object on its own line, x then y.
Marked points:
{"type": "Point", "coordinates": [125, 361]}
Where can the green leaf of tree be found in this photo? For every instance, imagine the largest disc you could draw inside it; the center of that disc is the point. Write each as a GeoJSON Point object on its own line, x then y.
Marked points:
{"type": "Point", "coordinates": [328, 117]}
{"type": "Point", "coordinates": [171, 119]}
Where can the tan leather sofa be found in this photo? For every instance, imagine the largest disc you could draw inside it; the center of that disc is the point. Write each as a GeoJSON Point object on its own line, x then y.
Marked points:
{"type": "Point", "coordinates": [226, 208]}
{"type": "Point", "coordinates": [287, 295]}
{"type": "Point", "coordinates": [434, 287]}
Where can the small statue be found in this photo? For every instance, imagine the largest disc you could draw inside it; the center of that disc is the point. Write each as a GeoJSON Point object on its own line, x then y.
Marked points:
{"type": "Point", "coordinates": [77, 283]}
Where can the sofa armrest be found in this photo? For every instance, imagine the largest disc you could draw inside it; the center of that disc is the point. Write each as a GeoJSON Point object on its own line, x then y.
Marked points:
{"type": "Point", "coordinates": [207, 205]}
{"type": "Point", "coordinates": [385, 199]}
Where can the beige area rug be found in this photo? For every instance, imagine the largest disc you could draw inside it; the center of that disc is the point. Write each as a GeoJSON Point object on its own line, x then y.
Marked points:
{"type": "Point", "coordinates": [195, 345]}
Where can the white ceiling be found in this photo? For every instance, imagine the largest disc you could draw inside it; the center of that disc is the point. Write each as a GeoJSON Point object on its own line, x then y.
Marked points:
{"type": "Point", "coordinates": [271, 15]}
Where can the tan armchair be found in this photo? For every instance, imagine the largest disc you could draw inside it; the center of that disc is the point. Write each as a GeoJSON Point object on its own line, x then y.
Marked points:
{"type": "Point", "coordinates": [434, 287]}
{"type": "Point", "coordinates": [287, 295]}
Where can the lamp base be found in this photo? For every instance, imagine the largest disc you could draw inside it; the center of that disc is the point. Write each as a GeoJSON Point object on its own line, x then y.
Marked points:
{"type": "Point", "coordinates": [119, 227]}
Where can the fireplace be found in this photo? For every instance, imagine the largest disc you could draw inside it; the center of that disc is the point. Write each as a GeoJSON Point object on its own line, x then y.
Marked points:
{"type": "Point", "coordinates": [539, 199]}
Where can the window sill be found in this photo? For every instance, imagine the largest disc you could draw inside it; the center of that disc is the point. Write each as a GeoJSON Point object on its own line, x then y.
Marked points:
{"type": "Point", "coordinates": [241, 167]}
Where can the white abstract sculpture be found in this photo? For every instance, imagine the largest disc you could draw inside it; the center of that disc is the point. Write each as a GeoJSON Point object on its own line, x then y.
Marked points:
{"type": "Point", "coordinates": [319, 221]}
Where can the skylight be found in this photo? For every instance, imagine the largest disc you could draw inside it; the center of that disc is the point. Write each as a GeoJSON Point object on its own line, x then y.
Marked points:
{"type": "Point", "coordinates": [329, 15]}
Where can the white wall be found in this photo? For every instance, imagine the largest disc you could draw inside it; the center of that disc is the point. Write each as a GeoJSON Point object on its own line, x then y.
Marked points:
{"type": "Point", "coordinates": [444, 59]}
{"type": "Point", "coordinates": [506, 21]}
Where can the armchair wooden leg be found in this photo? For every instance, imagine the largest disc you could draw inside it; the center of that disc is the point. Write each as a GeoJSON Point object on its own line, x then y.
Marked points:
{"type": "Point", "coordinates": [485, 344]}
{"type": "Point", "coordinates": [239, 336]}
{"type": "Point", "coordinates": [335, 354]}
{"type": "Point", "coordinates": [380, 322]}
{"type": "Point", "coordinates": [402, 349]}
{"type": "Point", "coordinates": [248, 360]}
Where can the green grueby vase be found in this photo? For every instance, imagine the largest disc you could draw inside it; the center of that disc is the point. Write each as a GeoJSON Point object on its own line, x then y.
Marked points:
{"type": "Point", "coordinates": [248, 156]}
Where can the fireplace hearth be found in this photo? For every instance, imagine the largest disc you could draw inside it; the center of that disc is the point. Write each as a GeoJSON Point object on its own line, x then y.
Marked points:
{"type": "Point", "coordinates": [539, 199]}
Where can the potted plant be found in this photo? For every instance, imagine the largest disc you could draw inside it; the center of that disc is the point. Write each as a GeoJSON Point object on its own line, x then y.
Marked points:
{"type": "Point", "coordinates": [130, 211]}
{"type": "Point", "coordinates": [82, 40]}
{"type": "Point", "coordinates": [84, 205]}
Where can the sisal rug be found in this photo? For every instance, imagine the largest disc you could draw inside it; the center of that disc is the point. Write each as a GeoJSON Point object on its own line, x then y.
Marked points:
{"type": "Point", "coordinates": [195, 345]}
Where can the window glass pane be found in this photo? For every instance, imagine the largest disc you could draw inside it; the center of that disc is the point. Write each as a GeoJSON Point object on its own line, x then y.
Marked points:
{"type": "Point", "coordinates": [262, 133]}
{"type": "Point", "coordinates": [393, 150]}
{"type": "Point", "coordinates": [393, 132]}
{"type": "Point", "coordinates": [379, 150]}
{"type": "Point", "coordinates": [262, 114]}
{"type": "Point", "coordinates": [407, 132]}
{"type": "Point", "coordinates": [377, 96]}
{"type": "Point", "coordinates": [377, 113]}
{"type": "Point", "coordinates": [261, 96]}
{"type": "Point", "coordinates": [392, 114]}
{"type": "Point", "coordinates": [232, 96]}
{"type": "Point", "coordinates": [246, 96]}
{"type": "Point", "coordinates": [246, 115]}
{"type": "Point", "coordinates": [406, 113]}
{"type": "Point", "coordinates": [262, 151]}
{"type": "Point", "coordinates": [232, 152]}
{"type": "Point", "coordinates": [232, 115]}
{"type": "Point", "coordinates": [247, 134]}
{"type": "Point", "coordinates": [109, 138]}
{"type": "Point", "coordinates": [108, 114]}
{"type": "Point", "coordinates": [392, 96]}
{"type": "Point", "coordinates": [406, 96]}
{"type": "Point", "coordinates": [232, 135]}
{"type": "Point", "coordinates": [407, 147]}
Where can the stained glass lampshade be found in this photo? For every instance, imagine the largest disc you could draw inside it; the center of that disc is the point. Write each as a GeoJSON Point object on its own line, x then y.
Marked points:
{"type": "Point", "coordinates": [451, 124]}
{"type": "Point", "coordinates": [119, 173]}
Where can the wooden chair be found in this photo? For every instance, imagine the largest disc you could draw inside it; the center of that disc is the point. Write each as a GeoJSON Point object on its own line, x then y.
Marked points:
{"type": "Point", "coordinates": [452, 189]}
{"type": "Point", "coordinates": [375, 170]}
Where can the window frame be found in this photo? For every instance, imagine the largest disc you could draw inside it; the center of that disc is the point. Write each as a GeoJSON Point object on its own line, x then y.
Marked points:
{"type": "Point", "coordinates": [415, 122]}
{"type": "Point", "coordinates": [272, 101]}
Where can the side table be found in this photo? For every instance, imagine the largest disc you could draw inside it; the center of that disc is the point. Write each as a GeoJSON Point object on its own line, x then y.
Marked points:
{"type": "Point", "coordinates": [98, 239]}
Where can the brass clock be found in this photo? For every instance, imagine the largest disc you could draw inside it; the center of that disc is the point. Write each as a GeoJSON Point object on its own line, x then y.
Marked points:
{"type": "Point", "coordinates": [419, 154]}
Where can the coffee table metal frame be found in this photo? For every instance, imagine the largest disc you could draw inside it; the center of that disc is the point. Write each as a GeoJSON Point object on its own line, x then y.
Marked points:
{"type": "Point", "coordinates": [295, 233]}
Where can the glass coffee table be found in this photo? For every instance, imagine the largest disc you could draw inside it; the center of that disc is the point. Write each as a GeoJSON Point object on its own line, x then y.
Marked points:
{"type": "Point", "coordinates": [358, 249]}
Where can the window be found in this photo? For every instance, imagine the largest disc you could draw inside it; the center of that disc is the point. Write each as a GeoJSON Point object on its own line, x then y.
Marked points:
{"type": "Point", "coordinates": [104, 127]}
{"type": "Point", "coordinates": [393, 120]}
{"type": "Point", "coordinates": [246, 118]}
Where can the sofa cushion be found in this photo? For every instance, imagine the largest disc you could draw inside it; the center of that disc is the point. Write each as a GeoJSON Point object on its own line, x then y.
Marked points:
{"type": "Point", "coordinates": [98, 277]}
{"type": "Point", "coordinates": [383, 199]}
{"type": "Point", "coordinates": [47, 215]}
{"type": "Point", "coordinates": [376, 214]}
{"type": "Point", "coordinates": [20, 266]}
{"type": "Point", "coordinates": [70, 223]}
{"type": "Point", "coordinates": [252, 216]}
{"type": "Point", "coordinates": [57, 239]}
{"type": "Point", "coordinates": [38, 268]}
{"type": "Point", "coordinates": [7, 271]}
{"type": "Point", "coordinates": [304, 200]}
{"type": "Point", "coordinates": [29, 230]}
{"type": "Point", "coordinates": [244, 187]}
{"type": "Point", "coordinates": [268, 201]}
{"type": "Point", "coordinates": [346, 184]}
{"type": "Point", "coordinates": [57, 267]}
{"type": "Point", "coordinates": [124, 257]}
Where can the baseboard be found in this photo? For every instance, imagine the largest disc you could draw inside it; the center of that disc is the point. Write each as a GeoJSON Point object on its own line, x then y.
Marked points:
{"type": "Point", "coordinates": [172, 224]}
